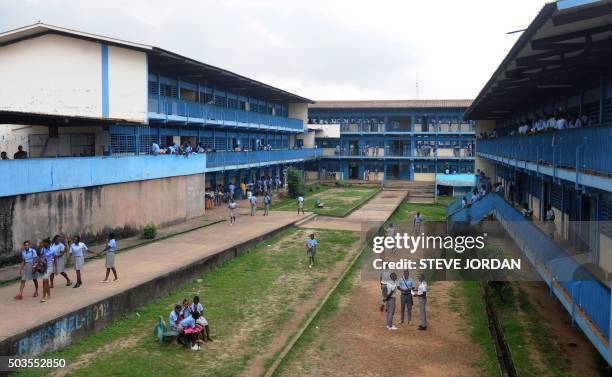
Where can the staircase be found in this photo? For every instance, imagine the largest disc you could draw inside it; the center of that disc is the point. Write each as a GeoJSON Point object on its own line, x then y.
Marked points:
{"type": "Point", "coordinates": [421, 192]}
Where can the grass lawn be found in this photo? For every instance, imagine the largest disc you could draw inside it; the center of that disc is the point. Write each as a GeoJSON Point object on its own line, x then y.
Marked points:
{"type": "Point", "coordinates": [338, 201]}
{"type": "Point", "coordinates": [431, 212]}
{"type": "Point", "coordinates": [246, 302]}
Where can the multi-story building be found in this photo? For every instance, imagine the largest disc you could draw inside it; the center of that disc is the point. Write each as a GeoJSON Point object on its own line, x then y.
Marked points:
{"type": "Point", "coordinates": [87, 109]}
{"type": "Point", "coordinates": [542, 123]}
{"type": "Point", "coordinates": [392, 139]}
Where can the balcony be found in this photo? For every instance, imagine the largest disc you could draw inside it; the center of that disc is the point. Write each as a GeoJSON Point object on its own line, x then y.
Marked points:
{"type": "Point", "coordinates": [582, 149]}
{"type": "Point", "coordinates": [232, 160]}
{"type": "Point", "coordinates": [450, 129]}
{"type": "Point", "coordinates": [168, 109]}
{"type": "Point", "coordinates": [51, 174]}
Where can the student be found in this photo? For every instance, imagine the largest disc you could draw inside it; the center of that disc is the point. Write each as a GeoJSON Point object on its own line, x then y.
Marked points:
{"type": "Point", "coordinates": [27, 269]}
{"type": "Point", "coordinates": [21, 154]}
{"type": "Point", "coordinates": [47, 266]}
{"type": "Point", "coordinates": [78, 249]}
{"type": "Point", "coordinates": [267, 202]}
{"type": "Point", "coordinates": [385, 276]}
{"type": "Point", "coordinates": [59, 249]}
{"type": "Point", "coordinates": [186, 309]}
{"type": "Point", "coordinates": [197, 307]}
{"type": "Point", "coordinates": [405, 286]}
{"type": "Point", "coordinates": [110, 249]}
{"type": "Point", "coordinates": [550, 221]}
{"type": "Point", "coordinates": [187, 327]}
{"type": "Point", "coordinates": [418, 220]}
{"type": "Point", "coordinates": [300, 203]}
{"type": "Point", "coordinates": [421, 293]}
{"type": "Point", "coordinates": [233, 206]}
{"type": "Point", "coordinates": [253, 201]}
{"type": "Point", "coordinates": [311, 250]}
{"type": "Point", "coordinates": [389, 298]}
{"type": "Point", "coordinates": [174, 318]}
{"type": "Point", "coordinates": [463, 202]}
{"type": "Point", "coordinates": [4, 156]}
{"type": "Point", "coordinates": [527, 213]}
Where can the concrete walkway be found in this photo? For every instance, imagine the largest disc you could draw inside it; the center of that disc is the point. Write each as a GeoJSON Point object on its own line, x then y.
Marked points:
{"type": "Point", "coordinates": [376, 211]}
{"type": "Point", "coordinates": [138, 266]}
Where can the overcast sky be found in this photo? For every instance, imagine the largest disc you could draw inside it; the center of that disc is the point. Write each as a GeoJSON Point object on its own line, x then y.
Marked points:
{"type": "Point", "coordinates": [324, 49]}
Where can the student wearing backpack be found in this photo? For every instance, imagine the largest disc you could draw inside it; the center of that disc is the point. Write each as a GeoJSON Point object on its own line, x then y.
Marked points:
{"type": "Point", "coordinates": [48, 266]}
{"type": "Point", "coordinates": [267, 202]}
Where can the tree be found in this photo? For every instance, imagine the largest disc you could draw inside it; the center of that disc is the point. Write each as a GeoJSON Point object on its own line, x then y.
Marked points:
{"type": "Point", "coordinates": [295, 182]}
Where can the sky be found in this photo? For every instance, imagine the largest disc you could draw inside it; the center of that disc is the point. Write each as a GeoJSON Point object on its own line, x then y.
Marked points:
{"type": "Point", "coordinates": [322, 50]}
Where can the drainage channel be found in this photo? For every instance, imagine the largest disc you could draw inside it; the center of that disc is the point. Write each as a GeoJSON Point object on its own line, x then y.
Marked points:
{"type": "Point", "coordinates": [504, 356]}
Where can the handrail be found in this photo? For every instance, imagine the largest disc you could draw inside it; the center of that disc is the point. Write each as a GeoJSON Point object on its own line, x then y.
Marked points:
{"type": "Point", "coordinates": [553, 264]}
{"type": "Point", "coordinates": [557, 148]}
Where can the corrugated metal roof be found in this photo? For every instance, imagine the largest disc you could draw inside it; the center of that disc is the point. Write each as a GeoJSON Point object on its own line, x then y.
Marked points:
{"type": "Point", "coordinates": [393, 104]}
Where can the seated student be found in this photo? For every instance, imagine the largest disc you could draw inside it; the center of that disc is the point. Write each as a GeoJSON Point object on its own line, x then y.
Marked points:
{"type": "Point", "coordinates": [186, 309]}
{"type": "Point", "coordinates": [175, 318]}
{"type": "Point", "coordinates": [197, 307]}
{"type": "Point", "coordinates": [188, 329]}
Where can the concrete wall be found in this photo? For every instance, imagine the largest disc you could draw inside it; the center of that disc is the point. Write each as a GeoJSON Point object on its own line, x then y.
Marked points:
{"type": "Point", "coordinates": [93, 211]}
{"type": "Point", "coordinates": [60, 75]}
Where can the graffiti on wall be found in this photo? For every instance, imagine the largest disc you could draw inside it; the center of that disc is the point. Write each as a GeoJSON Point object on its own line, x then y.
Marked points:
{"type": "Point", "coordinates": [59, 333]}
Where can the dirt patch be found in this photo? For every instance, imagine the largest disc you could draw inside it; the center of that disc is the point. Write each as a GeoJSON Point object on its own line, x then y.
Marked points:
{"type": "Point", "coordinates": [355, 341]}
{"type": "Point", "coordinates": [570, 339]}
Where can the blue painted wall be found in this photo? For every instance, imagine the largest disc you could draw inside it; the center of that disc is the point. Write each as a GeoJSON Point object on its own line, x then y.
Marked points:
{"type": "Point", "coordinates": [50, 174]}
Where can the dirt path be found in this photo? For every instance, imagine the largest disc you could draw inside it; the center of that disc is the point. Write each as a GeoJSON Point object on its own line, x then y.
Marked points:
{"type": "Point", "coordinates": [301, 312]}
{"type": "Point", "coordinates": [355, 341]}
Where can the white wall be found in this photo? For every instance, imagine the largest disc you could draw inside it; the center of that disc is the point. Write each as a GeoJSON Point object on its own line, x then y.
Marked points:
{"type": "Point", "coordinates": [127, 84]}
{"type": "Point", "coordinates": [60, 75]}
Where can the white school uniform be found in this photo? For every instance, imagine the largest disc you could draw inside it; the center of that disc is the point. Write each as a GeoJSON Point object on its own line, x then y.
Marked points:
{"type": "Point", "coordinates": [78, 252]}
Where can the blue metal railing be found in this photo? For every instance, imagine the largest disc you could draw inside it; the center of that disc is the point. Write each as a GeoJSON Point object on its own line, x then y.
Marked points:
{"type": "Point", "coordinates": [552, 263]}
{"type": "Point", "coordinates": [230, 158]}
{"type": "Point", "coordinates": [168, 107]}
{"type": "Point", "coordinates": [583, 148]}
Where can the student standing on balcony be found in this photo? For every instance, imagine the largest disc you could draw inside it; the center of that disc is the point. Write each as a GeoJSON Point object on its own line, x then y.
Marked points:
{"type": "Point", "coordinates": [60, 251]}
{"type": "Point", "coordinates": [110, 249]}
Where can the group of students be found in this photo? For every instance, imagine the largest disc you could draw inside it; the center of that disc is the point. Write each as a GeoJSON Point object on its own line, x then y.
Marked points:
{"type": "Point", "coordinates": [189, 322]}
{"type": "Point", "coordinates": [407, 289]}
{"type": "Point", "coordinates": [19, 155]}
{"type": "Point", "coordinates": [50, 257]}
{"type": "Point", "coordinates": [544, 123]}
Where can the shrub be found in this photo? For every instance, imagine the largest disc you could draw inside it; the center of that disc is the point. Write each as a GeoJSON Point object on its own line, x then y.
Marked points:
{"type": "Point", "coordinates": [295, 182]}
{"type": "Point", "coordinates": [149, 232]}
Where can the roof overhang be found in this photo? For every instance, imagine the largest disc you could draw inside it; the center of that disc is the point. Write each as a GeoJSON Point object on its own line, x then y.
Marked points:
{"type": "Point", "coordinates": [567, 44]}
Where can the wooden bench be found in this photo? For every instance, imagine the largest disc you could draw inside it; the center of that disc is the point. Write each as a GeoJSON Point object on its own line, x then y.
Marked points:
{"type": "Point", "coordinates": [162, 333]}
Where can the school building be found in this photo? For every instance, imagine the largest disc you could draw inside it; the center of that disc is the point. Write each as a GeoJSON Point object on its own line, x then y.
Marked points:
{"type": "Point", "coordinates": [543, 127]}
{"type": "Point", "coordinates": [380, 140]}
{"type": "Point", "coordinates": [88, 108]}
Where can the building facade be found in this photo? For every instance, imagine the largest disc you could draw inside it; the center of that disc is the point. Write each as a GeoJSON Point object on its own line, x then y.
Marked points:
{"type": "Point", "coordinates": [542, 126]}
{"type": "Point", "coordinates": [392, 139]}
{"type": "Point", "coordinates": [90, 111]}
